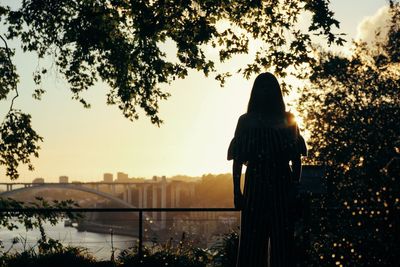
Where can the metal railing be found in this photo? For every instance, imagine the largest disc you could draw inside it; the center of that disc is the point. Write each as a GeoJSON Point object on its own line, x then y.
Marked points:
{"type": "Point", "coordinates": [138, 210]}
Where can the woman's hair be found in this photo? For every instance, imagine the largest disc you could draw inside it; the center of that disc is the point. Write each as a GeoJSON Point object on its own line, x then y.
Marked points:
{"type": "Point", "coordinates": [266, 96]}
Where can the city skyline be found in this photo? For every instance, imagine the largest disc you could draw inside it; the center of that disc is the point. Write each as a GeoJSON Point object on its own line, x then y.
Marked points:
{"type": "Point", "coordinates": [106, 178]}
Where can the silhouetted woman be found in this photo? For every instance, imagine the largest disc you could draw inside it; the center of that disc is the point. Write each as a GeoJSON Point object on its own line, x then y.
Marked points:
{"type": "Point", "coordinates": [266, 139]}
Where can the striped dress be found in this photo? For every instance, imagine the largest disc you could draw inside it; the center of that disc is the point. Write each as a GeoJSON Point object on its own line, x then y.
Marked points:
{"type": "Point", "coordinates": [267, 230]}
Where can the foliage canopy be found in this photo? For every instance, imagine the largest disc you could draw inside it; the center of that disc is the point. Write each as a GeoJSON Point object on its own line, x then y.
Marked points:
{"type": "Point", "coordinates": [120, 43]}
{"type": "Point", "coordinates": [351, 109]}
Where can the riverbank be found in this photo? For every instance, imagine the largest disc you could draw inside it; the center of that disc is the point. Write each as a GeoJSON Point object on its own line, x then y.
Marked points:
{"type": "Point", "coordinates": [85, 226]}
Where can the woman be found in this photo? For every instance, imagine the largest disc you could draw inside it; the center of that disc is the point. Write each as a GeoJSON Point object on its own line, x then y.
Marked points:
{"type": "Point", "coordinates": [266, 139]}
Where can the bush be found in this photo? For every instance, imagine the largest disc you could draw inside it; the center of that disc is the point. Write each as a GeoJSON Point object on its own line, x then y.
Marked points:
{"type": "Point", "coordinates": [182, 255]}
{"type": "Point", "coordinates": [226, 251]}
{"type": "Point", "coordinates": [67, 256]}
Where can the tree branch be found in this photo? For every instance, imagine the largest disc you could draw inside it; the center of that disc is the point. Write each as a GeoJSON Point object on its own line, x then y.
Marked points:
{"type": "Point", "coordinates": [11, 69]}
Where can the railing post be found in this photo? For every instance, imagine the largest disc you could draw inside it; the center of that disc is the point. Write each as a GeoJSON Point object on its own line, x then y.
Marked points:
{"type": "Point", "coordinates": [140, 249]}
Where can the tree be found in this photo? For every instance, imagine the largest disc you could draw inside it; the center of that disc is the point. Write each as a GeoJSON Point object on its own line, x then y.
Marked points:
{"type": "Point", "coordinates": [119, 42]}
{"type": "Point", "coordinates": [25, 214]}
{"type": "Point", "coordinates": [352, 110]}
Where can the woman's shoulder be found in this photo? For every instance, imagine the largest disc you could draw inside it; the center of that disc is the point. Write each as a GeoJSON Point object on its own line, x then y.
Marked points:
{"type": "Point", "coordinates": [254, 120]}
{"type": "Point", "coordinates": [246, 116]}
{"type": "Point", "coordinates": [290, 119]}
{"type": "Point", "coordinates": [248, 120]}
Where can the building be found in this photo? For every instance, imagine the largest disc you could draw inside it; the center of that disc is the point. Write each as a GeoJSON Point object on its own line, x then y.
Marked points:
{"type": "Point", "coordinates": [63, 179]}
{"type": "Point", "coordinates": [108, 178]}
{"type": "Point", "coordinates": [159, 179]}
{"type": "Point", "coordinates": [122, 177]}
{"type": "Point", "coordinates": [38, 181]}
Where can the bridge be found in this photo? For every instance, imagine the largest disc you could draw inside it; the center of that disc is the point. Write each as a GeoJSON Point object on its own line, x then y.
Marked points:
{"type": "Point", "coordinates": [151, 194]}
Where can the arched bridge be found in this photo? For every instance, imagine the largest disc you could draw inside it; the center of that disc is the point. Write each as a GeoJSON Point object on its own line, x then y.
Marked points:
{"type": "Point", "coordinates": [77, 187]}
{"type": "Point", "coordinates": [152, 194]}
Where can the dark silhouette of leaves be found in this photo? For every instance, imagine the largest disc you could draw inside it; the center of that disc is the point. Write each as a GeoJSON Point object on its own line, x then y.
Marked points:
{"type": "Point", "coordinates": [120, 42]}
{"type": "Point", "coordinates": [18, 142]}
{"type": "Point", "coordinates": [352, 111]}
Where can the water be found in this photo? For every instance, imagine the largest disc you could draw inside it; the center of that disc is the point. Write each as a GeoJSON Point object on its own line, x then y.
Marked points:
{"type": "Point", "coordinates": [98, 245]}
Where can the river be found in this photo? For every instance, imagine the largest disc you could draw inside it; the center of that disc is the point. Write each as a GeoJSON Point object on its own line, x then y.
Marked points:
{"type": "Point", "coordinates": [98, 245]}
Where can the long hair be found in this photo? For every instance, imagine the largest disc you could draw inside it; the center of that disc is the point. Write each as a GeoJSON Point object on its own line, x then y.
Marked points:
{"type": "Point", "coordinates": [266, 97]}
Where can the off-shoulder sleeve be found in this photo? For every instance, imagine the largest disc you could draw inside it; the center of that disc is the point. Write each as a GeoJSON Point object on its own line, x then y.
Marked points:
{"type": "Point", "coordinates": [231, 154]}
{"type": "Point", "coordinates": [297, 144]}
{"type": "Point", "coordinates": [253, 142]}
{"type": "Point", "coordinates": [233, 150]}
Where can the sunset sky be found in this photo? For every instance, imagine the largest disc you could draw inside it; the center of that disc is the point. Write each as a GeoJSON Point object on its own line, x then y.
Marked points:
{"type": "Point", "coordinates": [199, 118]}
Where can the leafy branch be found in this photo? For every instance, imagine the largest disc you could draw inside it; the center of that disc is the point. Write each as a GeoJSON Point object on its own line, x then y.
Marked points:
{"type": "Point", "coordinates": [11, 68]}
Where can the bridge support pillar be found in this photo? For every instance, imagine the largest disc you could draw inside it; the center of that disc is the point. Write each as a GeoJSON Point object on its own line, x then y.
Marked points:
{"type": "Point", "coordinates": [125, 195]}
{"type": "Point", "coordinates": [145, 204]}
{"type": "Point", "coordinates": [163, 203]}
{"type": "Point", "coordinates": [130, 201]}
{"type": "Point", "coordinates": [154, 190]}
{"type": "Point", "coordinates": [178, 195]}
{"type": "Point", "coordinates": [172, 195]}
{"type": "Point", "coordinates": [140, 196]}
{"type": "Point", "coordinates": [191, 191]}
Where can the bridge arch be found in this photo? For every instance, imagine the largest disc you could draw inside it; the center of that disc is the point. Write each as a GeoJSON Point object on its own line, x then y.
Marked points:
{"type": "Point", "coordinates": [69, 187]}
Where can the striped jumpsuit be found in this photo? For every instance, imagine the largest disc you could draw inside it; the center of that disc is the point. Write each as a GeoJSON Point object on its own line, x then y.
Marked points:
{"type": "Point", "coordinates": [267, 230]}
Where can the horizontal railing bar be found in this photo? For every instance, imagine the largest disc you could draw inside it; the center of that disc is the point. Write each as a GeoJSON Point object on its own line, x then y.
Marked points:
{"type": "Point", "coordinates": [358, 209]}
{"type": "Point", "coordinates": [119, 210]}
{"type": "Point", "coordinates": [82, 183]}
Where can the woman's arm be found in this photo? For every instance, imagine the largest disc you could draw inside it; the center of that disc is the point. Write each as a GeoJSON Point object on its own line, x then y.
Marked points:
{"type": "Point", "coordinates": [237, 173]}
{"type": "Point", "coordinates": [296, 161]}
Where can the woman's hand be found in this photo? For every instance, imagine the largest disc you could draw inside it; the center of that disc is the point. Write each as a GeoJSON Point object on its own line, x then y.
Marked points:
{"type": "Point", "coordinates": [238, 200]}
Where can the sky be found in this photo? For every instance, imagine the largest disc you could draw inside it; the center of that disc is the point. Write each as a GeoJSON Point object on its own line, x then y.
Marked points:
{"type": "Point", "coordinates": [199, 118]}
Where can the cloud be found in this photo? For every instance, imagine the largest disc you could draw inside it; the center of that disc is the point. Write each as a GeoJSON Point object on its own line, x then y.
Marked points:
{"type": "Point", "coordinates": [369, 26]}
